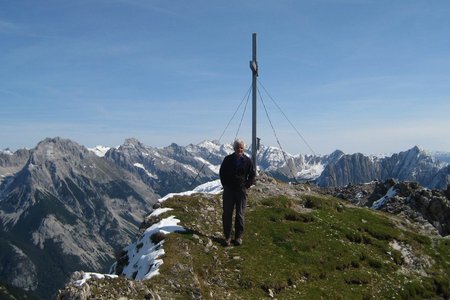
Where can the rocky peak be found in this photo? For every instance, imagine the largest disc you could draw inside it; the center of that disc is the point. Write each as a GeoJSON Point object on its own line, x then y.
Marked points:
{"type": "Point", "coordinates": [55, 159]}
{"type": "Point", "coordinates": [272, 158]}
{"type": "Point", "coordinates": [130, 152]}
{"type": "Point", "coordinates": [55, 149]}
{"type": "Point", "coordinates": [175, 150]}
{"type": "Point", "coordinates": [416, 149]}
{"type": "Point", "coordinates": [132, 143]}
{"type": "Point", "coordinates": [335, 155]}
{"type": "Point", "coordinates": [415, 154]}
{"type": "Point", "coordinates": [213, 145]}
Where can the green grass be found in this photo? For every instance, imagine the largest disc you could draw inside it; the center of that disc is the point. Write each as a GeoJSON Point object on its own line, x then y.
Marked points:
{"type": "Point", "coordinates": [310, 247]}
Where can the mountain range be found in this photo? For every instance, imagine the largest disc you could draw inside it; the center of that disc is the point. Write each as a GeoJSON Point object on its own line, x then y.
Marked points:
{"type": "Point", "coordinates": [64, 207]}
{"type": "Point", "coordinates": [200, 163]}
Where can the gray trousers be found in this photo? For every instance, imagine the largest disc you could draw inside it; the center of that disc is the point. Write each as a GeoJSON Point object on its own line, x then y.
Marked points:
{"type": "Point", "coordinates": [233, 199]}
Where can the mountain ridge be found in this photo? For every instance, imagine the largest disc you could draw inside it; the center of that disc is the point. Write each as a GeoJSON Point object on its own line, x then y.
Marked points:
{"type": "Point", "coordinates": [271, 160]}
{"type": "Point", "coordinates": [414, 164]}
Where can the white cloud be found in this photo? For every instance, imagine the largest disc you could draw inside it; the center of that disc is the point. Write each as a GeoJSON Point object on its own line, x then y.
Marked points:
{"type": "Point", "coordinates": [8, 27]}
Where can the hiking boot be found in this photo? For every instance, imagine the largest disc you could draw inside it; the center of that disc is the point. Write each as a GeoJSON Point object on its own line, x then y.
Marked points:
{"type": "Point", "coordinates": [238, 241]}
{"type": "Point", "coordinates": [227, 242]}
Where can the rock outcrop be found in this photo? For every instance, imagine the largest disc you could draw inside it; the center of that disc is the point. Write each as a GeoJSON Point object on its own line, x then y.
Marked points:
{"type": "Point", "coordinates": [430, 208]}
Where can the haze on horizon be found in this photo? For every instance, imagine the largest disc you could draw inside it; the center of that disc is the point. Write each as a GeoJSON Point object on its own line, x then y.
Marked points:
{"type": "Point", "coordinates": [356, 75]}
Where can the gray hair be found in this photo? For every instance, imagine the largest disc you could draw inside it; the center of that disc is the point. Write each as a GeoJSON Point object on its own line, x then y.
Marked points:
{"type": "Point", "coordinates": [238, 142]}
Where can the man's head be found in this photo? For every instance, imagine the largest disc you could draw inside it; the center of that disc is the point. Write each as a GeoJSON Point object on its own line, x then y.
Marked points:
{"type": "Point", "coordinates": [239, 147]}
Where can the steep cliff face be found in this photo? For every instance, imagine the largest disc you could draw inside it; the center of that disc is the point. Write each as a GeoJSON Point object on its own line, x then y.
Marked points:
{"type": "Point", "coordinates": [66, 209]}
{"type": "Point", "coordinates": [355, 168]}
{"type": "Point", "coordinates": [442, 179]}
{"type": "Point", "coordinates": [413, 165]}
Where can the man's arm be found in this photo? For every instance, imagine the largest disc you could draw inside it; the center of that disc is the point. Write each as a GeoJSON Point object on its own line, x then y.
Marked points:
{"type": "Point", "coordinates": [251, 175]}
{"type": "Point", "coordinates": [224, 172]}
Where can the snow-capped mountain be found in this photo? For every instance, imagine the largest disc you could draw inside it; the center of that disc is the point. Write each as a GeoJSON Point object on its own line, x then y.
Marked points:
{"type": "Point", "coordinates": [289, 167]}
{"type": "Point", "coordinates": [99, 150]}
{"type": "Point", "coordinates": [270, 160]}
{"type": "Point", "coordinates": [165, 170]}
{"type": "Point", "coordinates": [202, 162]}
{"type": "Point", "coordinates": [176, 168]}
{"type": "Point", "coordinates": [442, 156]}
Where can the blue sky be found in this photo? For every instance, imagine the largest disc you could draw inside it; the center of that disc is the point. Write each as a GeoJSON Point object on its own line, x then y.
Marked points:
{"type": "Point", "coordinates": [370, 76]}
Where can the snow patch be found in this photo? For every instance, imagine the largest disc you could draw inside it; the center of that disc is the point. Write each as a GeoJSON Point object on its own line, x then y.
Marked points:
{"type": "Point", "coordinates": [141, 166]}
{"type": "Point", "coordinates": [145, 256]}
{"type": "Point", "coordinates": [210, 145]}
{"type": "Point", "coordinates": [380, 202]}
{"type": "Point", "coordinates": [7, 152]}
{"type": "Point", "coordinates": [100, 151]}
{"type": "Point", "coordinates": [159, 211]}
{"type": "Point", "coordinates": [89, 275]}
{"type": "Point", "coordinates": [212, 167]}
{"type": "Point", "coordinates": [212, 187]}
{"type": "Point", "coordinates": [311, 171]}
{"type": "Point", "coordinates": [10, 219]}
{"type": "Point", "coordinates": [190, 168]}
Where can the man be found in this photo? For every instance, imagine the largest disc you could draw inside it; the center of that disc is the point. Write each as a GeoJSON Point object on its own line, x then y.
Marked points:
{"type": "Point", "coordinates": [236, 175]}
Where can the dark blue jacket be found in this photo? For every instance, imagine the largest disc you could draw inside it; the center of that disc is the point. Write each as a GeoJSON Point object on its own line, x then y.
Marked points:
{"type": "Point", "coordinates": [237, 174]}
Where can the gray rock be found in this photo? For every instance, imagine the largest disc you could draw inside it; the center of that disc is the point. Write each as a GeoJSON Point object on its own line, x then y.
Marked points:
{"type": "Point", "coordinates": [412, 165]}
{"type": "Point", "coordinates": [430, 208]}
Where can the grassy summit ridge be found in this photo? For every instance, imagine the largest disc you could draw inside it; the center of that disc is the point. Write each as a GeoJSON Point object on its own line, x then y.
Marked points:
{"type": "Point", "coordinates": [300, 246]}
